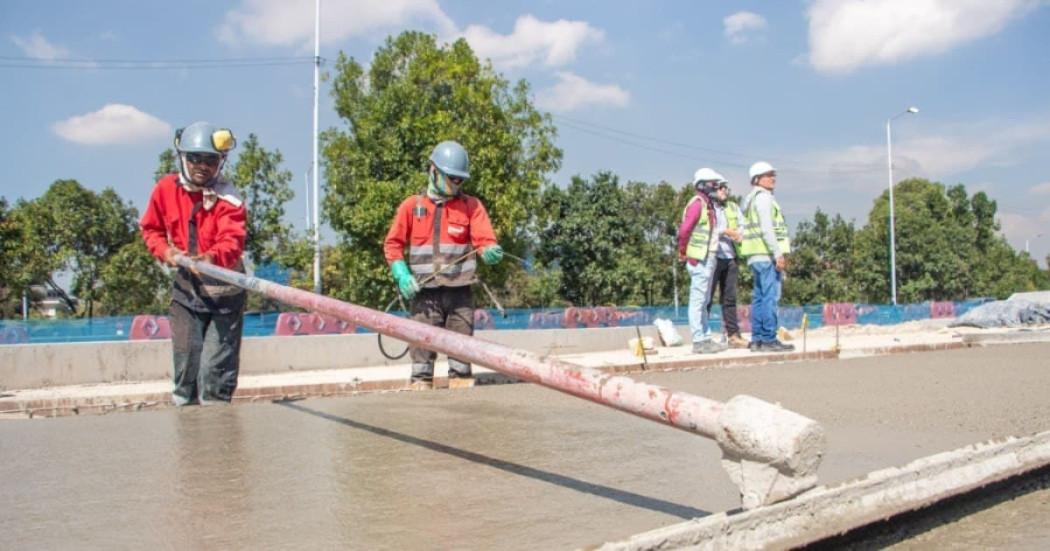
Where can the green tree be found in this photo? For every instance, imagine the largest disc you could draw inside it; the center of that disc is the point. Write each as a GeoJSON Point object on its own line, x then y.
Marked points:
{"type": "Point", "coordinates": [413, 95]}
{"type": "Point", "coordinates": [132, 282]}
{"type": "Point", "coordinates": [595, 237]}
{"type": "Point", "coordinates": [258, 175]}
{"type": "Point", "coordinates": [821, 262]}
{"type": "Point", "coordinates": [11, 284]}
{"type": "Point", "coordinates": [165, 164]}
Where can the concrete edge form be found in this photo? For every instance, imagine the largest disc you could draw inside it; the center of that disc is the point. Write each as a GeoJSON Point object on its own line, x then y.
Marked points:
{"type": "Point", "coordinates": [826, 512]}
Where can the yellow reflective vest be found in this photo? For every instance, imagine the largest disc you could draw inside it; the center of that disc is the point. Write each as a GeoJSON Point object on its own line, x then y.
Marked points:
{"type": "Point", "coordinates": [753, 243]}
{"type": "Point", "coordinates": [700, 239]}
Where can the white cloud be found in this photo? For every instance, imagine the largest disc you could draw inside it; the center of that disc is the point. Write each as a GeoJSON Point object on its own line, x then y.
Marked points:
{"type": "Point", "coordinates": [291, 22]}
{"type": "Point", "coordinates": [846, 34]}
{"type": "Point", "coordinates": [736, 26]}
{"type": "Point", "coordinates": [573, 91]}
{"type": "Point", "coordinates": [553, 43]}
{"type": "Point", "coordinates": [38, 47]}
{"type": "Point", "coordinates": [113, 124]}
{"type": "Point", "coordinates": [1041, 189]}
{"type": "Point", "coordinates": [938, 153]}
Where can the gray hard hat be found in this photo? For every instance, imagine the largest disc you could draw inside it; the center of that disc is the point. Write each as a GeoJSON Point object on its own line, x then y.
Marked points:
{"type": "Point", "coordinates": [451, 159]}
{"type": "Point", "coordinates": [204, 137]}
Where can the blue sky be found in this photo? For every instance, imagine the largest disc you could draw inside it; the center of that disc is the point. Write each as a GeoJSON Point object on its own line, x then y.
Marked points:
{"type": "Point", "coordinates": [650, 91]}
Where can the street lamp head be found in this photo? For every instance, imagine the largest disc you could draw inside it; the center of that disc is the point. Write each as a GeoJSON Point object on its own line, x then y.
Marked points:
{"type": "Point", "coordinates": [913, 109]}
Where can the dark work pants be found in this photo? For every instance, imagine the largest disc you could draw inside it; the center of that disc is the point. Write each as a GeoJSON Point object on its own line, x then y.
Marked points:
{"type": "Point", "coordinates": [448, 307]}
{"type": "Point", "coordinates": [725, 278]}
{"type": "Point", "coordinates": [207, 349]}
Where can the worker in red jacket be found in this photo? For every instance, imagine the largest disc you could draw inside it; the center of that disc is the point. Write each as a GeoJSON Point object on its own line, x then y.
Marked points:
{"type": "Point", "coordinates": [438, 229]}
{"type": "Point", "coordinates": [197, 213]}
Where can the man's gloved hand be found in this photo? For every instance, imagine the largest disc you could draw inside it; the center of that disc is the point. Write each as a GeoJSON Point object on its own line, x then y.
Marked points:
{"type": "Point", "coordinates": [406, 282]}
{"type": "Point", "coordinates": [492, 254]}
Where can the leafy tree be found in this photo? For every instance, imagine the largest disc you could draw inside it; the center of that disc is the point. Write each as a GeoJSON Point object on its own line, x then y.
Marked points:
{"type": "Point", "coordinates": [133, 282]}
{"type": "Point", "coordinates": [11, 283]}
{"type": "Point", "coordinates": [821, 266]}
{"type": "Point", "coordinates": [413, 95]}
{"type": "Point", "coordinates": [165, 164]}
{"type": "Point", "coordinates": [257, 174]}
{"type": "Point", "coordinates": [594, 235]}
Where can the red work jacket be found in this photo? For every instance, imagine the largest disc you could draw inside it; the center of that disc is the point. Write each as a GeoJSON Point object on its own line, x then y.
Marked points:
{"type": "Point", "coordinates": [220, 230]}
{"type": "Point", "coordinates": [435, 235]}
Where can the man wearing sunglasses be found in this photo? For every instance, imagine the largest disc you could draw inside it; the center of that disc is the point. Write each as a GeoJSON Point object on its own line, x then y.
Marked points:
{"type": "Point", "coordinates": [729, 221]}
{"type": "Point", "coordinates": [197, 213]}
{"type": "Point", "coordinates": [443, 231]}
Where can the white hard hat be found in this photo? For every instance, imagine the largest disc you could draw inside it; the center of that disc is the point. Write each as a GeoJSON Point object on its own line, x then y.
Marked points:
{"type": "Point", "coordinates": [759, 169]}
{"type": "Point", "coordinates": [706, 175]}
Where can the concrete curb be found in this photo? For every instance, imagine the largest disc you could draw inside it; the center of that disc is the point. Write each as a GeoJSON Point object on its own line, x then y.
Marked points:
{"type": "Point", "coordinates": [824, 512]}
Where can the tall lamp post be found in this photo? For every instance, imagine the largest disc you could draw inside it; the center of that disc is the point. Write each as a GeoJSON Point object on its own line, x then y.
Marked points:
{"type": "Point", "coordinates": [1037, 236]}
{"type": "Point", "coordinates": [893, 239]}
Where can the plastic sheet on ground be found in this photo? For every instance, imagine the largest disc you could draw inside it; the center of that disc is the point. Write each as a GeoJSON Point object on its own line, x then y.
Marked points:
{"type": "Point", "coordinates": [1006, 313]}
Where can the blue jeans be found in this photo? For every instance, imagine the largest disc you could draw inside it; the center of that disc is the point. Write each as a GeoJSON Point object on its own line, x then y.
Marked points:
{"type": "Point", "coordinates": [699, 296]}
{"type": "Point", "coordinates": [764, 296]}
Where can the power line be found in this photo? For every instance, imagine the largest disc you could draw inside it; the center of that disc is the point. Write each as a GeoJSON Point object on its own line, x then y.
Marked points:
{"type": "Point", "coordinates": [7, 62]}
{"type": "Point", "coordinates": [604, 132]}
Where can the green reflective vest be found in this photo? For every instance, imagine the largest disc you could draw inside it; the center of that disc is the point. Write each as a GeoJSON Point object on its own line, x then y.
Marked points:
{"type": "Point", "coordinates": [753, 243]}
{"type": "Point", "coordinates": [732, 211]}
{"type": "Point", "coordinates": [700, 239]}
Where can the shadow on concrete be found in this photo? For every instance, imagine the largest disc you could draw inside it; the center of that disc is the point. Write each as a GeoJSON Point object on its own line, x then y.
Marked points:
{"type": "Point", "coordinates": [622, 496]}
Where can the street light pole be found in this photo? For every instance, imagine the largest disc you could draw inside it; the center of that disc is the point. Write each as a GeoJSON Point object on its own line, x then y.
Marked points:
{"type": "Point", "coordinates": [1037, 236]}
{"type": "Point", "coordinates": [317, 194]}
{"type": "Point", "coordinates": [893, 238]}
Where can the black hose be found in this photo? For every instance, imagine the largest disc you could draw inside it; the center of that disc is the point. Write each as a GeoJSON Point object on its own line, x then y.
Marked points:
{"type": "Point", "coordinates": [380, 335]}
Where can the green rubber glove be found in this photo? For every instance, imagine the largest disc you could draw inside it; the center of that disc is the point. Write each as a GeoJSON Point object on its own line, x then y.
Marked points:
{"type": "Point", "coordinates": [492, 254]}
{"type": "Point", "coordinates": [406, 282]}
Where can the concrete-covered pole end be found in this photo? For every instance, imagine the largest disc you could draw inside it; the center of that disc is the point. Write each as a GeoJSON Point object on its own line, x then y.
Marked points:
{"type": "Point", "coordinates": [770, 453]}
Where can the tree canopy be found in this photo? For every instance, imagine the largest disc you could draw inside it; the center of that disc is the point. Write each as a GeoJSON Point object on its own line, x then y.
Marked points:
{"type": "Point", "coordinates": [413, 95]}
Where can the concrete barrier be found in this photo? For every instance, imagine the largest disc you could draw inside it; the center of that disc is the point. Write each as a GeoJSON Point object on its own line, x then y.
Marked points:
{"type": "Point", "coordinates": [43, 365]}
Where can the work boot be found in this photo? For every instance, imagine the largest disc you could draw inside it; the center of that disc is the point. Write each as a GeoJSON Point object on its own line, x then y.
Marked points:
{"type": "Point", "coordinates": [709, 347]}
{"type": "Point", "coordinates": [777, 346]}
{"type": "Point", "coordinates": [736, 341]}
{"type": "Point", "coordinates": [458, 380]}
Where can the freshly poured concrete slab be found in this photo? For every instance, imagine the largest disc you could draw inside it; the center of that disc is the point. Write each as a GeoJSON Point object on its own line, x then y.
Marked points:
{"type": "Point", "coordinates": [506, 466]}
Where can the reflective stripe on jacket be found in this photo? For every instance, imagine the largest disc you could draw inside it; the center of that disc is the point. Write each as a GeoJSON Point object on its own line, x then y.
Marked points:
{"type": "Point", "coordinates": [435, 235]}
{"type": "Point", "coordinates": [754, 243]}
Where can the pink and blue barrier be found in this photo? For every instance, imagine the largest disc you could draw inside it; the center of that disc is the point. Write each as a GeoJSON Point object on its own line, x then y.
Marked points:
{"type": "Point", "coordinates": [264, 324]}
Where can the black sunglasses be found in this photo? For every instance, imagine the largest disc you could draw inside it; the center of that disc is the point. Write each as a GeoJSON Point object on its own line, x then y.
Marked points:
{"type": "Point", "coordinates": [202, 159]}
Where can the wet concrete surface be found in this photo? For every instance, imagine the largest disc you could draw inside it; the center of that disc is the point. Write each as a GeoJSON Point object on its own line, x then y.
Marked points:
{"type": "Point", "coordinates": [508, 467]}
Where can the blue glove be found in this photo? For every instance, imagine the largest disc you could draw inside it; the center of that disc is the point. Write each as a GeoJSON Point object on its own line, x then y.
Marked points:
{"type": "Point", "coordinates": [492, 254]}
{"type": "Point", "coordinates": [406, 282]}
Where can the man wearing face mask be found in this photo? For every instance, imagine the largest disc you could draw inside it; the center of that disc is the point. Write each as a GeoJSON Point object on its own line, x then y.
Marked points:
{"type": "Point", "coordinates": [439, 228]}
{"type": "Point", "coordinates": [197, 213]}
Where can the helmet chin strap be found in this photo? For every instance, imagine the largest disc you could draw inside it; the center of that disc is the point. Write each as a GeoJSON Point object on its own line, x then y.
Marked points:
{"type": "Point", "coordinates": [185, 179]}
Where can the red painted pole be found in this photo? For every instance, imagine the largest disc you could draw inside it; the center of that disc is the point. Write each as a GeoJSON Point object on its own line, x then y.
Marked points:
{"type": "Point", "coordinates": [679, 409]}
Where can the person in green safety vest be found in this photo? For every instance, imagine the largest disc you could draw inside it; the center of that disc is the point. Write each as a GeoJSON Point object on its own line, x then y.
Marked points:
{"type": "Point", "coordinates": [697, 241]}
{"type": "Point", "coordinates": [730, 222]}
{"type": "Point", "coordinates": [765, 245]}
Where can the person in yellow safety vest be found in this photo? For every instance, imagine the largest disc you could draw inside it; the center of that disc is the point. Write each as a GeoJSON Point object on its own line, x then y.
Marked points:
{"type": "Point", "coordinates": [698, 237]}
{"type": "Point", "coordinates": [765, 245]}
{"type": "Point", "coordinates": [730, 221]}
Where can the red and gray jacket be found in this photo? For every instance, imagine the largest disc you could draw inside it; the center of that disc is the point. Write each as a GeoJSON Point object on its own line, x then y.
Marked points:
{"type": "Point", "coordinates": [436, 234]}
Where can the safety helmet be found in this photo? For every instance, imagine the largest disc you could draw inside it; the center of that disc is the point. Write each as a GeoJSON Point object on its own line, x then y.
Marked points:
{"type": "Point", "coordinates": [451, 159]}
{"type": "Point", "coordinates": [706, 178]}
{"type": "Point", "coordinates": [204, 137]}
{"type": "Point", "coordinates": [758, 169]}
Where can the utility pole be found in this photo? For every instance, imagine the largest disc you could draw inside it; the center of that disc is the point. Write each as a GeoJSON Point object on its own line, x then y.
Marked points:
{"type": "Point", "coordinates": [317, 194]}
